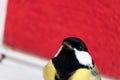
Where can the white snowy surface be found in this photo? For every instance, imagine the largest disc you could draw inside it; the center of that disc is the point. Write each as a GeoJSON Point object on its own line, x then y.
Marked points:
{"type": "Point", "coordinates": [14, 70]}
{"type": "Point", "coordinates": [11, 72]}
{"type": "Point", "coordinates": [17, 65]}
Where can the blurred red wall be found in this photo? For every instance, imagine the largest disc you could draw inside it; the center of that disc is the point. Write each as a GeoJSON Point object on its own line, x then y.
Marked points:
{"type": "Point", "coordinates": [39, 26]}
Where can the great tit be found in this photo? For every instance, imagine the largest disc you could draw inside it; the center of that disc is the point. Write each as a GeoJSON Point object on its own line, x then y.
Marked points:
{"type": "Point", "coordinates": [71, 62]}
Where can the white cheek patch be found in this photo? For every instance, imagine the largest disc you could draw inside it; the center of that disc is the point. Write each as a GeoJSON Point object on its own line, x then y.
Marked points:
{"type": "Point", "coordinates": [84, 58]}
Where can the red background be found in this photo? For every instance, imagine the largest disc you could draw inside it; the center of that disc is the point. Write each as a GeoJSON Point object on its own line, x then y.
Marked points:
{"type": "Point", "coordinates": [39, 26]}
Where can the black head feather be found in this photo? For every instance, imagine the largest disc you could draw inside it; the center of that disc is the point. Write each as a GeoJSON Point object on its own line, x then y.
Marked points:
{"type": "Point", "coordinates": [75, 43]}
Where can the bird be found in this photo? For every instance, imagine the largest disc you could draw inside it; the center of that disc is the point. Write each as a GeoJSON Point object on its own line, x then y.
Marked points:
{"type": "Point", "coordinates": [71, 62]}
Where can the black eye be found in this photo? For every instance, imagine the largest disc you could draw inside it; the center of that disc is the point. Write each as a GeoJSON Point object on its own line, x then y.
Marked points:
{"type": "Point", "coordinates": [80, 48]}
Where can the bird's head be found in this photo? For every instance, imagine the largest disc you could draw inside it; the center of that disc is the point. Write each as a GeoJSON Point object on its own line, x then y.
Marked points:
{"type": "Point", "coordinates": [77, 47]}
{"type": "Point", "coordinates": [74, 43]}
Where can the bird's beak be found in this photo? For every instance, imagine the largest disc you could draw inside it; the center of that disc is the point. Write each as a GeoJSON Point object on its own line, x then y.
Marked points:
{"type": "Point", "coordinates": [68, 45]}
